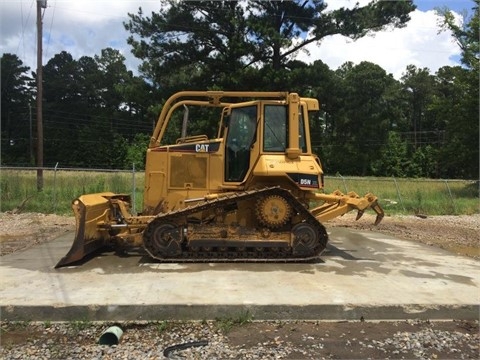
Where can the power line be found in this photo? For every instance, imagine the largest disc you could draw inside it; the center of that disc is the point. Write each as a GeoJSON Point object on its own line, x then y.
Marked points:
{"type": "Point", "coordinates": [50, 33]}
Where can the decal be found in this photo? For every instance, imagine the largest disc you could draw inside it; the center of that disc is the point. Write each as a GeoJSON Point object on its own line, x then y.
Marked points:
{"type": "Point", "coordinates": [201, 147]}
{"type": "Point", "coordinates": [305, 180]}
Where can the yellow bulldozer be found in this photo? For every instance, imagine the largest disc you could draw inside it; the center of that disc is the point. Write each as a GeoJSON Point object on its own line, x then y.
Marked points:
{"type": "Point", "coordinates": [252, 193]}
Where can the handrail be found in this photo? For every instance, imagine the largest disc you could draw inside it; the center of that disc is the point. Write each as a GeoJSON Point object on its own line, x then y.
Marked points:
{"type": "Point", "coordinates": [213, 100]}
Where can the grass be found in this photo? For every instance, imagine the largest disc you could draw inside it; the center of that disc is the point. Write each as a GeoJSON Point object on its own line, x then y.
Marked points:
{"type": "Point", "coordinates": [80, 325]}
{"type": "Point", "coordinates": [225, 324]}
{"type": "Point", "coordinates": [414, 196]}
{"type": "Point", "coordinates": [21, 324]}
{"type": "Point", "coordinates": [47, 324]}
{"type": "Point", "coordinates": [19, 188]}
{"type": "Point", "coordinates": [397, 196]}
{"type": "Point", "coordinates": [163, 326]}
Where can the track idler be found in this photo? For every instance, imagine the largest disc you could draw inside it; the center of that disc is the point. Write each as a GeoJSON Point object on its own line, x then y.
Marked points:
{"type": "Point", "coordinates": [163, 240]}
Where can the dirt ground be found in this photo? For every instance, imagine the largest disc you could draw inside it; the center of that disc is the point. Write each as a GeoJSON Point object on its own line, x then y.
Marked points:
{"type": "Point", "coordinates": [20, 231]}
{"type": "Point", "coordinates": [455, 339]}
{"type": "Point", "coordinates": [365, 340]}
{"type": "Point", "coordinates": [458, 234]}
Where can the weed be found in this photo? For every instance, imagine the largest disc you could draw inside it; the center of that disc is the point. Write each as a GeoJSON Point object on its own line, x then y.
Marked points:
{"type": "Point", "coordinates": [163, 326]}
{"type": "Point", "coordinates": [225, 324]}
{"type": "Point", "coordinates": [21, 324]}
{"type": "Point", "coordinates": [79, 325]}
{"type": "Point", "coordinates": [47, 324]}
{"type": "Point", "coordinates": [418, 202]}
{"type": "Point", "coordinates": [281, 324]}
{"type": "Point", "coordinates": [3, 329]}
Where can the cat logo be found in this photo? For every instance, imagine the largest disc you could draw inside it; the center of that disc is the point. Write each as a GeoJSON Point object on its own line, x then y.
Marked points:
{"type": "Point", "coordinates": [201, 147]}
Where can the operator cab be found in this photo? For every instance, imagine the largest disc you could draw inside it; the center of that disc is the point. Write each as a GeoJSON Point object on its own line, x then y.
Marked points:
{"type": "Point", "coordinates": [243, 126]}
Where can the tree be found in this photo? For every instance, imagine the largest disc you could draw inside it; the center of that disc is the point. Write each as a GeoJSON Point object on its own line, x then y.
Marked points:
{"type": "Point", "coordinates": [466, 35]}
{"type": "Point", "coordinates": [61, 75]}
{"type": "Point", "coordinates": [394, 157]}
{"type": "Point", "coordinates": [16, 90]}
{"type": "Point", "coordinates": [93, 106]}
{"type": "Point", "coordinates": [461, 154]}
{"type": "Point", "coordinates": [210, 43]}
{"type": "Point", "coordinates": [418, 86]}
{"type": "Point", "coordinates": [197, 42]}
{"type": "Point", "coordinates": [113, 75]}
{"type": "Point", "coordinates": [137, 151]}
{"type": "Point", "coordinates": [65, 109]}
{"type": "Point", "coordinates": [456, 108]}
{"type": "Point", "coordinates": [364, 114]}
{"type": "Point", "coordinates": [276, 24]}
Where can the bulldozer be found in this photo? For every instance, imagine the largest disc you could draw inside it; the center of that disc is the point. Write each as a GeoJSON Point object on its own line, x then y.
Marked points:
{"type": "Point", "coordinates": [252, 193]}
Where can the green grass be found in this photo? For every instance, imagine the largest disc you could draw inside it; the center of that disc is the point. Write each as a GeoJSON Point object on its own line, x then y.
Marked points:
{"type": "Point", "coordinates": [47, 324]}
{"type": "Point", "coordinates": [80, 325]}
{"type": "Point", "coordinates": [397, 196]}
{"type": "Point", "coordinates": [226, 323]}
{"type": "Point", "coordinates": [61, 187]}
{"type": "Point", "coordinates": [163, 326]}
{"type": "Point", "coordinates": [414, 196]}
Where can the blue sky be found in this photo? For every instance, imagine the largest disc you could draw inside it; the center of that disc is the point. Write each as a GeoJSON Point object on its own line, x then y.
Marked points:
{"type": "Point", "coordinates": [85, 27]}
{"type": "Point", "coordinates": [457, 5]}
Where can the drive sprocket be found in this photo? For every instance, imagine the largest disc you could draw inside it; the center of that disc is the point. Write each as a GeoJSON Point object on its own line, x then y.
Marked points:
{"type": "Point", "coordinates": [273, 211]}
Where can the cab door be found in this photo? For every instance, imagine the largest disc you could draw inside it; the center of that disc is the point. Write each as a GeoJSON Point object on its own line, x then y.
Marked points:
{"type": "Point", "coordinates": [241, 135]}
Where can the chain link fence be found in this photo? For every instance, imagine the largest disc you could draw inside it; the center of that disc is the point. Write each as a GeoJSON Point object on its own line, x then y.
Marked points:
{"type": "Point", "coordinates": [62, 185]}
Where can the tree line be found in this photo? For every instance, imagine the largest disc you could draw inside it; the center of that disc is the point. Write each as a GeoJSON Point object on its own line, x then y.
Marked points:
{"type": "Point", "coordinates": [99, 114]}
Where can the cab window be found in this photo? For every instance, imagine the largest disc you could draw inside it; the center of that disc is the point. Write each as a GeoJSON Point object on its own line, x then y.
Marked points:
{"type": "Point", "coordinates": [275, 128]}
{"type": "Point", "coordinates": [242, 125]}
{"type": "Point", "coordinates": [275, 131]}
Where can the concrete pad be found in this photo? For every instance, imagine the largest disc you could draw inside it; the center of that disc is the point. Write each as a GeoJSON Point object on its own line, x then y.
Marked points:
{"type": "Point", "coordinates": [361, 274]}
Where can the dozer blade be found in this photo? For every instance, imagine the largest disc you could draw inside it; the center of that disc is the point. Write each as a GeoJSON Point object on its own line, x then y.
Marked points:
{"type": "Point", "coordinates": [90, 211]}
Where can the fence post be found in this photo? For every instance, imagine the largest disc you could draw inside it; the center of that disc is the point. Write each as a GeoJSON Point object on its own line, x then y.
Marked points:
{"type": "Point", "coordinates": [55, 188]}
{"type": "Point", "coordinates": [451, 197]}
{"type": "Point", "coordinates": [344, 183]}
{"type": "Point", "coordinates": [134, 211]}
{"type": "Point", "coordinates": [398, 193]}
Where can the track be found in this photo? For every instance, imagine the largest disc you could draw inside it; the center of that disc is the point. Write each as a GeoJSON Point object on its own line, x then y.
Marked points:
{"type": "Point", "coordinates": [166, 238]}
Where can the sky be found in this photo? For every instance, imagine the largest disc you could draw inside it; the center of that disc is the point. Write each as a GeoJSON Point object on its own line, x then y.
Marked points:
{"type": "Point", "coordinates": [85, 27]}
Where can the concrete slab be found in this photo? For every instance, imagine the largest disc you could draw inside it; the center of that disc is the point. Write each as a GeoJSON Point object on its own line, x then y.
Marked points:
{"type": "Point", "coordinates": [360, 274]}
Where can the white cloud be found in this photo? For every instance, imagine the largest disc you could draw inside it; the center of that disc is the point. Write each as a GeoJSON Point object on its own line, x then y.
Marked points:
{"type": "Point", "coordinates": [85, 27]}
{"type": "Point", "coordinates": [419, 44]}
{"type": "Point", "coordinates": [82, 28]}
{"type": "Point", "coordinates": [348, 4]}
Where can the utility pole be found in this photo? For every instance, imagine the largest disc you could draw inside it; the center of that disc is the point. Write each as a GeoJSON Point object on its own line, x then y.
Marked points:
{"type": "Point", "coordinates": [41, 4]}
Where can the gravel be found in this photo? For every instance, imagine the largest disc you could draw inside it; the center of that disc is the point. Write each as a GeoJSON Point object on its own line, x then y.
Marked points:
{"type": "Point", "coordinates": [249, 340]}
